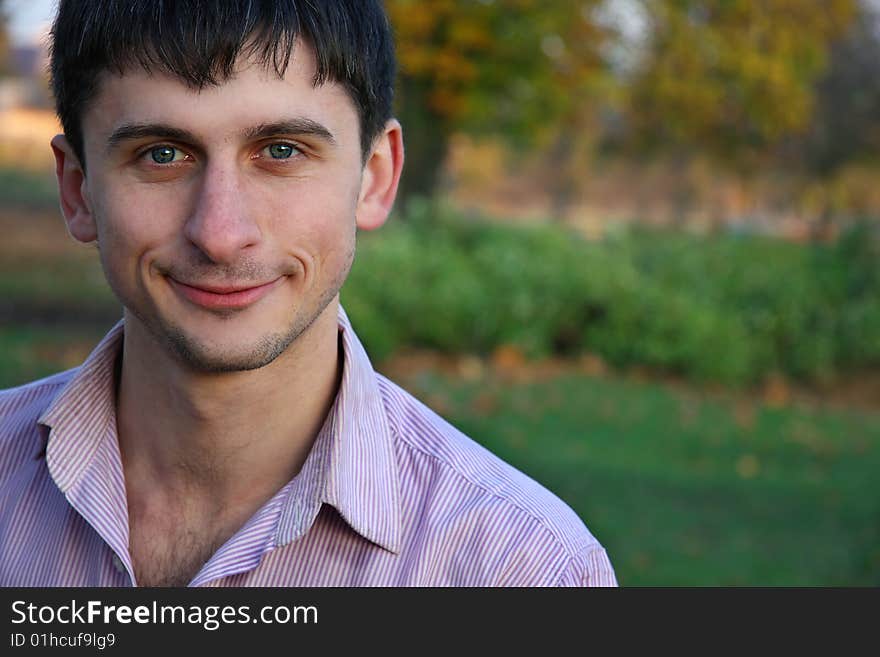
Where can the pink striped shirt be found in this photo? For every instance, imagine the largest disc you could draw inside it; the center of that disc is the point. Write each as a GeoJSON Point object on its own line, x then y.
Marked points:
{"type": "Point", "coordinates": [390, 495]}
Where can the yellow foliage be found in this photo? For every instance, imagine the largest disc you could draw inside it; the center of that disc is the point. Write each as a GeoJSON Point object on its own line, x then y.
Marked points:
{"type": "Point", "coordinates": [464, 50]}
{"type": "Point", "coordinates": [727, 72]}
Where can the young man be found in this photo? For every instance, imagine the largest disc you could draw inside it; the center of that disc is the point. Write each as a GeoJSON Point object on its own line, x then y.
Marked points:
{"type": "Point", "coordinates": [230, 431]}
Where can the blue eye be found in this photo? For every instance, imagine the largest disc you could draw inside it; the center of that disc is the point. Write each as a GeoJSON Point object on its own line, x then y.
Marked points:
{"type": "Point", "coordinates": [164, 154]}
{"type": "Point", "coordinates": [281, 151]}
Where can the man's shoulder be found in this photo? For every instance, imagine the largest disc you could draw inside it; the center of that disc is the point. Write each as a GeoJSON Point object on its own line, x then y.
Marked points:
{"type": "Point", "coordinates": [438, 459]}
{"type": "Point", "coordinates": [33, 392]}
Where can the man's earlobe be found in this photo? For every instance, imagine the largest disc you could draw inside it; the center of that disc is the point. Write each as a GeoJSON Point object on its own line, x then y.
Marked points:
{"type": "Point", "coordinates": [381, 178]}
{"type": "Point", "coordinates": [71, 190]}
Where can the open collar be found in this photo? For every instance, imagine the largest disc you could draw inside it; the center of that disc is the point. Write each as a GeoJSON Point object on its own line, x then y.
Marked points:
{"type": "Point", "coordinates": [351, 466]}
{"type": "Point", "coordinates": [82, 452]}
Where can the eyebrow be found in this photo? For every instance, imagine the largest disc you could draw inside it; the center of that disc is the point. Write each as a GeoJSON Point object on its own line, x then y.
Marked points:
{"type": "Point", "coordinates": [296, 126]}
{"type": "Point", "coordinates": [130, 131]}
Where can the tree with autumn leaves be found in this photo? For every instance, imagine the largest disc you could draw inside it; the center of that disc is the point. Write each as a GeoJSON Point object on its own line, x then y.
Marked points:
{"type": "Point", "coordinates": [731, 78]}
{"type": "Point", "coordinates": [510, 67]}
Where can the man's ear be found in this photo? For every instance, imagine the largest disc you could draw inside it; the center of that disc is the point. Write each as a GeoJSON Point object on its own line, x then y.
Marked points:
{"type": "Point", "coordinates": [75, 205]}
{"type": "Point", "coordinates": [381, 178]}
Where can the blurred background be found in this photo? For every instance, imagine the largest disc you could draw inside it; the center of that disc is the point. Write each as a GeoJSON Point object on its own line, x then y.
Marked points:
{"type": "Point", "coordinates": [636, 255]}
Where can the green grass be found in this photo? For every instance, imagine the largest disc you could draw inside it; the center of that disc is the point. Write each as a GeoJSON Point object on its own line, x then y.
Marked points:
{"type": "Point", "coordinates": [674, 486]}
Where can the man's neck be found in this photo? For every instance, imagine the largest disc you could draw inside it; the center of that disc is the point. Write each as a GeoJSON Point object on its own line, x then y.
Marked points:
{"type": "Point", "coordinates": [232, 438]}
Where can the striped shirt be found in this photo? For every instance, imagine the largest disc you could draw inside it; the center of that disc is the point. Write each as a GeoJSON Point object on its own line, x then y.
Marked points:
{"type": "Point", "coordinates": [389, 495]}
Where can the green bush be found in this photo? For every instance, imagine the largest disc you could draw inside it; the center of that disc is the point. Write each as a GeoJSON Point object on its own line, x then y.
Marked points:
{"type": "Point", "coordinates": [724, 308]}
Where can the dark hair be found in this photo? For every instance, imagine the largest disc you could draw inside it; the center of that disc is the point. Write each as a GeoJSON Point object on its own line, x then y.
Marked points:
{"type": "Point", "coordinates": [199, 41]}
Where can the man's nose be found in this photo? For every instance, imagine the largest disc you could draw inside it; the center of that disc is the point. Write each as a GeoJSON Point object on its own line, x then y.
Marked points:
{"type": "Point", "coordinates": [221, 224]}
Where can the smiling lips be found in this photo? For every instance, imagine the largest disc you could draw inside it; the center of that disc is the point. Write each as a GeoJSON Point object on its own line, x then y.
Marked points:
{"type": "Point", "coordinates": [224, 297]}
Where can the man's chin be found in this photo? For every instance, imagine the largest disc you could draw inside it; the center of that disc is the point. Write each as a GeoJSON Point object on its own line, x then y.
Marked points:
{"type": "Point", "coordinates": [206, 346]}
{"type": "Point", "coordinates": [200, 357]}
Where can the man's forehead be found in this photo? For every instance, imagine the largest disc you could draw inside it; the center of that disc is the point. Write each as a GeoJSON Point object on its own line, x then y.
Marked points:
{"type": "Point", "coordinates": [254, 94]}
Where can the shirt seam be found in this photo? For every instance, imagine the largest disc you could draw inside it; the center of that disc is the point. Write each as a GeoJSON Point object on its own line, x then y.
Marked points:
{"type": "Point", "coordinates": [584, 552]}
{"type": "Point", "coordinates": [13, 393]}
{"type": "Point", "coordinates": [547, 527]}
{"type": "Point", "coordinates": [48, 392]}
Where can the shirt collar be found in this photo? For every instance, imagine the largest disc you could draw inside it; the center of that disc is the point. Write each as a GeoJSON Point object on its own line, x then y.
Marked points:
{"type": "Point", "coordinates": [83, 413]}
{"type": "Point", "coordinates": [351, 465]}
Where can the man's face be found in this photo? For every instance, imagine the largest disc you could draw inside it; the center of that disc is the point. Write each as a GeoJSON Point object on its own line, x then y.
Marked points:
{"type": "Point", "coordinates": [225, 217]}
